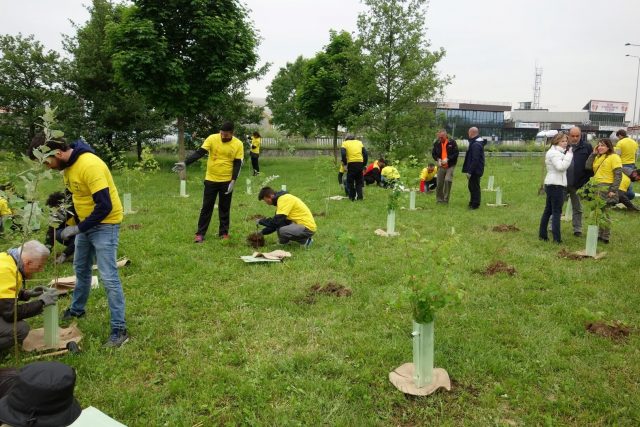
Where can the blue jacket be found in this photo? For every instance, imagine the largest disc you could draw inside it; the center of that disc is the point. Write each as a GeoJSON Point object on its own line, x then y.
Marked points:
{"type": "Point", "coordinates": [577, 174]}
{"type": "Point", "coordinates": [474, 159]}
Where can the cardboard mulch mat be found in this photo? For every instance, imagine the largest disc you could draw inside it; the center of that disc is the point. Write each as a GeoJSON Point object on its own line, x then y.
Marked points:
{"type": "Point", "coordinates": [65, 285]}
{"type": "Point", "coordinates": [382, 233]}
{"type": "Point", "coordinates": [502, 228]}
{"type": "Point", "coordinates": [499, 267]}
{"type": "Point", "coordinates": [337, 197]}
{"type": "Point", "coordinates": [274, 256]}
{"type": "Point", "coordinates": [35, 340]}
{"type": "Point", "coordinates": [122, 262]}
{"type": "Point", "coordinates": [402, 379]}
{"type": "Point", "coordinates": [614, 330]}
{"type": "Point", "coordinates": [569, 255]}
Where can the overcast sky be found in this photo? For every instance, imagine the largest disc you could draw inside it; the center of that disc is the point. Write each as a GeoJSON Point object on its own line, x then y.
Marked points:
{"type": "Point", "coordinates": [492, 46]}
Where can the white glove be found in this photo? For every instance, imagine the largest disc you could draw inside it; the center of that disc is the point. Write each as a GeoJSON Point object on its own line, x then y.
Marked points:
{"type": "Point", "coordinates": [468, 176]}
{"type": "Point", "coordinates": [70, 231]}
{"type": "Point", "coordinates": [179, 167]}
{"type": "Point", "coordinates": [230, 188]}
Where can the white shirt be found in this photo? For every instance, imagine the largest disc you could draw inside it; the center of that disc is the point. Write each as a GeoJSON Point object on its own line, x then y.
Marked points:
{"type": "Point", "coordinates": [557, 162]}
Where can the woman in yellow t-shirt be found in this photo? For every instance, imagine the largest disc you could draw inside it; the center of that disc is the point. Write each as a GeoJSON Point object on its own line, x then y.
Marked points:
{"type": "Point", "coordinates": [254, 153]}
{"type": "Point", "coordinates": [607, 172]}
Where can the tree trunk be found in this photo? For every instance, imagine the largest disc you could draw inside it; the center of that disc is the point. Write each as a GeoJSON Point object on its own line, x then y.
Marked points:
{"type": "Point", "coordinates": [139, 145]}
{"type": "Point", "coordinates": [181, 155]}
{"type": "Point", "coordinates": [335, 144]}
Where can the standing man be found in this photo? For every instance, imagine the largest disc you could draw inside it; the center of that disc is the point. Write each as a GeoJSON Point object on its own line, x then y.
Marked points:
{"type": "Point", "coordinates": [99, 210]}
{"type": "Point", "coordinates": [473, 166]}
{"type": "Point", "coordinates": [293, 219]}
{"type": "Point", "coordinates": [577, 175]}
{"type": "Point", "coordinates": [354, 157]}
{"type": "Point", "coordinates": [254, 153]}
{"type": "Point", "coordinates": [627, 149]}
{"type": "Point", "coordinates": [223, 166]}
{"type": "Point", "coordinates": [445, 153]}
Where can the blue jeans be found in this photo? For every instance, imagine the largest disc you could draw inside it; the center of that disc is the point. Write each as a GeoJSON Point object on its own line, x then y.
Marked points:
{"type": "Point", "coordinates": [553, 210]}
{"type": "Point", "coordinates": [100, 242]}
{"type": "Point", "coordinates": [630, 193]}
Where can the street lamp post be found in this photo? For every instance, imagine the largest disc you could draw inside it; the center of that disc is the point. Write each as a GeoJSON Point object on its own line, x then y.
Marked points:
{"type": "Point", "coordinates": [635, 102]}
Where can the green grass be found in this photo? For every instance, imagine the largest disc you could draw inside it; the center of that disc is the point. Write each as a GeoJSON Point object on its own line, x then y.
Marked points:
{"type": "Point", "coordinates": [216, 341]}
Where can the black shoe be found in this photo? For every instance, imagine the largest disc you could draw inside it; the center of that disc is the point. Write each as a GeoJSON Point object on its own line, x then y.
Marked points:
{"type": "Point", "coordinates": [117, 338]}
{"type": "Point", "coordinates": [544, 239]}
{"type": "Point", "coordinates": [69, 315]}
{"type": "Point", "coordinates": [577, 233]}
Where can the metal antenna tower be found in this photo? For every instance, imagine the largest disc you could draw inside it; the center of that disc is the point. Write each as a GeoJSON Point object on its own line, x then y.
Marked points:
{"type": "Point", "coordinates": [536, 88]}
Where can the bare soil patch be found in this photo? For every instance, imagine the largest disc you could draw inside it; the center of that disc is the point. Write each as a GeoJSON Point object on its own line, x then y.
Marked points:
{"type": "Point", "coordinates": [502, 228]}
{"type": "Point", "coordinates": [615, 330]}
{"type": "Point", "coordinates": [254, 217]}
{"type": "Point", "coordinates": [255, 240]}
{"type": "Point", "coordinates": [318, 214]}
{"type": "Point", "coordinates": [499, 267]}
{"type": "Point", "coordinates": [134, 226]}
{"type": "Point", "coordinates": [331, 289]}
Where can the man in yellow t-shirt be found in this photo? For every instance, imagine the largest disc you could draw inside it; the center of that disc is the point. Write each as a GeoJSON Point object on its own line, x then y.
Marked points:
{"type": "Point", "coordinates": [628, 176]}
{"type": "Point", "coordinates": [390, 176]}
{"type": "Point", "coordinates": [293, 219]}
{"type": "Point", "coordinates": [428, 178]}
{"type": "Point", "coordinates": [100, 213]}
{"type": "Point", "coordinates": [223, 166]}
{"type": "Point", "coordinates": [254, 152]}
{"type": "Point", "coordinates": [627, 149]}
{"type": "Point", "coordinates": [354, 158]}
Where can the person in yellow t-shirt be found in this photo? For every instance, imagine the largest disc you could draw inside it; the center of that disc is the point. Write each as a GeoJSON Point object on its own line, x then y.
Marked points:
{"type": "Point", "coordinates": [97, 204]}
{"type": "Point", "coordinates": [342, 179]}
{"type": "Point", "coordinates": [293, 219]}
{"type": "Point", "coordinates": [428, 178]}
{"type": "Point", "coordinates": [5, 209]}
{"type": "Point", "coordinates": [607, 172]}
{"type": "Point", "coordinates": [628, 176]}
{"type": "Point", "coordinates": [254, 152]}
{"type": "Point", "coordinates": [16, 265]}
{"type": "Point", "coordinates": [226, 154]}
{"type": "Point", "coordinates": [354, 158]}
{"type": "Point", "coordinates": [627, 149]}
{"type": "Point", "coordinates": [371, 174]}
{"type": "Point", "coordinates": [389, 175]}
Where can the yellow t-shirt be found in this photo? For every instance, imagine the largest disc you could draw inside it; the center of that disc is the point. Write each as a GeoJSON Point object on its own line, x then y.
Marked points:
{"type": "Point", "coordinates": [8, 274]}
{"type": "Point", "coordinates": [603, 167]}
{"type": "Point", "coordinates": [88, 175]}
{"type": "Point", "coordinates": [221, 157]}
{"type": "Point", "coordinates": [4, 207]}
{"type": "Point", "coordinates": [628, 149]}
{"type": "Point", "coordinates": [390, 172]}
{"type": "Point", "coordinates": [625, 183]}
{"type": "Point", "coordinates": [296, 211]}
{"type": "Point", "coordinates": [426, 176]}
{"type": "Point", "coordinates": [354, 150]}
{"type": "Point", "coordinates": [255, 142]}
{"type": "Point", "coordinates": [341, 170]}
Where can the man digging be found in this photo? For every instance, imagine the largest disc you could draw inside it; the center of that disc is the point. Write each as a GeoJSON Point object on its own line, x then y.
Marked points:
{"type": "Point", "coordinates": [293, 219]}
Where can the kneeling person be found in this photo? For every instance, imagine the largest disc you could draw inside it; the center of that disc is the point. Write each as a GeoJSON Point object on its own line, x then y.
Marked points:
{"type": "Point", "coordinates": [293, 219]}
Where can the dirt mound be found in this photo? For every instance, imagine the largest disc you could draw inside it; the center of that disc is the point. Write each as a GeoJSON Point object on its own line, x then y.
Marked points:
{"type": "Point", "coordinates": [331, 288]}
{"type": "Point", "coordinates": [502, 228]}
{"type": "Point", "coordinates": [499, 267]}
{"type": "Point", "coordinates": [134, 226]}
{"type": "Point", "coordinates": [615, 330]}
{"type": "Point", "coordinates": [317, 214]}
{"type": "Point", "coordinates": [254, 217]}
{"type": "Point", "coordinates": [569, 255]}
{"type": "Point", "coordinates": [255, 240]}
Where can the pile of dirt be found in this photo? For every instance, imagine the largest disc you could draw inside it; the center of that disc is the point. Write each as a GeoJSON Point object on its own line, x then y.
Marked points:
{"type": "Point", "coordinates": [499, 267]}
{"type": "Point", "coordinates": [615, 330]}
{"type": "Point", "coordinates": [134, 226]}
{"type": "Point", "coordinates": [318, 214]}
{"type": "Point", "coordinates": [501, 228]}
{"type": "Point", "coordinates": [331, 288]}
{"type": "Point", "coordinates": [254, 217]}
{"type": "Point", "coordinates": [569, 255]}
{"type": "Point", "coordinates": [255, 240]}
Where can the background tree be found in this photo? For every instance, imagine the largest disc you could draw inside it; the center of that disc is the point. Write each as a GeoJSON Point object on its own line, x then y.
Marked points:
{"type": "Point", "coordinates": [392, 34]}
{"type": "Point", "coordinates": [31, 77]}
{"type": "Point", "coordinates": [281, 100]}
{"type": "Point", "coordinates": [184, 56]}
{"type": "Point", "coordinates": [322, 93]}
{"type": "Point", "coordinates": [113, 116]}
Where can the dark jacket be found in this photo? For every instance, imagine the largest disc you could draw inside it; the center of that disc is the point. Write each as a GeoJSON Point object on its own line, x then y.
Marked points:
{"type": "Point", "coordinates": [452, 151]}
{"type": "Point", "coordinates": [577, 174]}
{"type": "Point", "coordinates": [474, 159]}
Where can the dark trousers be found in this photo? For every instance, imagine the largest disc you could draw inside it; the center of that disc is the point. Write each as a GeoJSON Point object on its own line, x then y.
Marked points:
{"type": "Point", "coordinates": [254, 162]}
{"type": "Point", "coordinates": [6, 333]}
{"type": "Point", "coordinates": [553, 210]}
{"type": "Point", "coordinates": [474, 191]}
{"type": "Point", "coordinates": [211, 191]}
{"type": "Point", "coordinates": [355, 180]}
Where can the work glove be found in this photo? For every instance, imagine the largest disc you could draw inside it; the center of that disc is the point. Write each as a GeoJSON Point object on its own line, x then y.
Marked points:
{"type": "Point", "coordinates": [35, 292]}
{"type": "Point", "coordinates": [179, 167]}
{"type": "Point", "coordinates": [230, 188]}
{"type": "Point", "coordinates": [49, 298]}
{"type": "Point", "coordinates": [60, 259]}
{"type": "Point", "coordinates": [468, 175]}
{"type": "Point", "coordinates": [69, 231]}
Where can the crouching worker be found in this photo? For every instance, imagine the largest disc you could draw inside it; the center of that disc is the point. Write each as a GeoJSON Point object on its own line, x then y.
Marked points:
{"type": "Point", "coordinates": [15, 266]}
{"type": "Point", "coordinates": [293, 219]}
{"type": "Point", "coordinates": [64, 216]}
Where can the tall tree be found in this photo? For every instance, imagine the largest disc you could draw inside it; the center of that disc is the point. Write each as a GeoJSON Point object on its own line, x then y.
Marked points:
{"type": "Point", "coordinates": [109, 108]}
{"type": "Point", "coordinates": [281, 100]}
{"type": "Point", "coordinates": [31, 77]}
{"type": "Point", "coordinates": [322, 93]}
{"type": "Point", "coordinates": [392, 33]}
{"type": "Point", "coordinates": [184, 56]}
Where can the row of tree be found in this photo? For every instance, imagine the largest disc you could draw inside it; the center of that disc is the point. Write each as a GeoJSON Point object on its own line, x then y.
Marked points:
{"type": "Point", "coordinates": [132, 69]}
{"type": "Point", "coordinates": [377, 83]}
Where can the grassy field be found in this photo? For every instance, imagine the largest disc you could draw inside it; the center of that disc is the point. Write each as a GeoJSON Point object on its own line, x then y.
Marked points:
{"type": "Point", "coordinates": [216, 341]}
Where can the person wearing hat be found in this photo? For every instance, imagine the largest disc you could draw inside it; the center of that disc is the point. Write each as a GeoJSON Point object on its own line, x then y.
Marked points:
{"type": "Point", "coordinates": [42, 396]}
{"type": "Point", "coordinates": [16, 265]}
{"type": "Point", "coordinates": [354, 158]}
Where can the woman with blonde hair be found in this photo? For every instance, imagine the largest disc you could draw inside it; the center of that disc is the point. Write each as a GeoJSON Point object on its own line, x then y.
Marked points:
{"type": "Point", "coordinates": [557, 161]}
{"type": "Point", "coordinates": [607, 172]}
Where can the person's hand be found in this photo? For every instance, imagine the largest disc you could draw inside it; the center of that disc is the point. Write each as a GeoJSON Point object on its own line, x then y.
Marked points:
{"type": "Point", "coordinates": [230, 188]}
{"type": "Point", "coordinates": [611, 194]}
{"type": "Point", "coordinates": [445, 161]}
{"type": "Point", "coordinates": [60, 259]}
{"type": "Point", "coordinates": [69, 231]}
{"type": "Point", "coordinates": [179, 167]}
{"type": "Point", "coordinates": [468, 175]}
{"type": "Point", "coordinates": [50, 297]}
{"type": "Point", "coordinates": [439, 162]}
{"type": "Point", "coordinates": [35, 292]}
